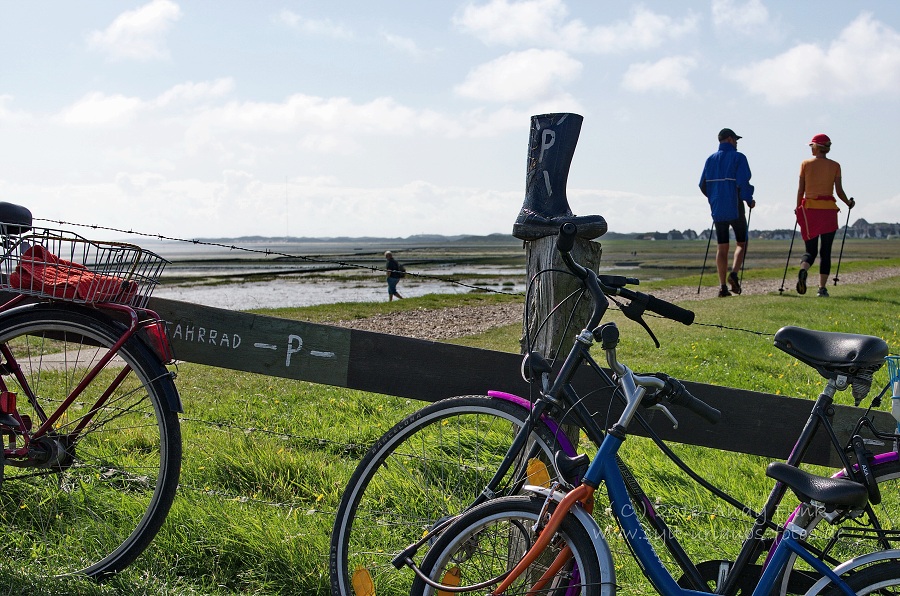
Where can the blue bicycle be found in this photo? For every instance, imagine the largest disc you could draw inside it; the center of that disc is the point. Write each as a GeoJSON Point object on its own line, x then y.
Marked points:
{"type": "Point", "coordinates": [549, 543]}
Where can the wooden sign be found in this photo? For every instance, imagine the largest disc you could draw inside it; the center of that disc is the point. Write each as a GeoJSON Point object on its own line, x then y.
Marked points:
{"type": "Point", "coordinates": [752, 422]}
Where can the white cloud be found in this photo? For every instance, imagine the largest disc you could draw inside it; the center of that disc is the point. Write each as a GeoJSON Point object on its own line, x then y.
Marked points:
{"type": "Point", "coordinates": [645, 30]}
{"type": "Point", "coordinates": [543, 23]}
{"type": "Point", "coordinates": [323, 122]}
{"type": "Point", "coordinates": [744, 17]}
{"type": "Point", "coordinates": [193, 92]}
{"type": "Point", "coordinates": [319, 27]}
{"type": "Point", "coordinates": [9, 115]}
{"type": "Point", "coordinates": [864, 60]}
{"type": "Point", "coordinates": [510, 23]}
{"type": "Point", "coordinates": [520, 76]}
{"type": "Point", "coordinates": [138, 34]}
{"type": "Point", "coordinates": [99, 109]}
{"type": "Point", "coordinates": [404, 44]}
{"type": "Point", "coordinates": [668, 74]}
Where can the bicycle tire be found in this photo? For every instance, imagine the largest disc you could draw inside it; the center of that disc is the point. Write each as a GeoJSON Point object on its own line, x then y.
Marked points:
{"type": "Point", "coordinates": [489, 540]}
{"type": "Point", "coordinates": [875, 579]}
{"type": "Point", "coordinates": [849, 535]}
{"type": "Point", "coordinates": [104, 498]}
{"type": "Point", "coordinates": [427, 468]}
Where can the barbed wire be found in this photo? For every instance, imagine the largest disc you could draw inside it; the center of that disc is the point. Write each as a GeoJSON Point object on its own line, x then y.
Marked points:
{"type": "Point", "coordinates": [349, 265]}
{"type": "Point", "coordinates": [268, 252]}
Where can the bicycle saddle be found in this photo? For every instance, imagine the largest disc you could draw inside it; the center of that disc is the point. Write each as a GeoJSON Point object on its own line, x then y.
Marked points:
{"type": "Point", "coordinates": [14, 219]}
{"type": "Point", "coordinates": [831, 353]}
{"type": "Point", "coordinates": [833, 492]}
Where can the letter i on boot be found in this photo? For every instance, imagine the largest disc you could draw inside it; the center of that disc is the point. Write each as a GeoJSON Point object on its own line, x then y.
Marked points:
{"type": "Point", "coordinates": [551, 146]}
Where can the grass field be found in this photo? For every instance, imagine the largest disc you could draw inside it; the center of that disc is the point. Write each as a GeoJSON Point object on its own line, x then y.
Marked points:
{"type": "Point", "coordinates": [266, 459]}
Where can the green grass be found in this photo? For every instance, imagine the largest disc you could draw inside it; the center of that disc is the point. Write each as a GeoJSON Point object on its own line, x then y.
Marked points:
{"type": "Point", "coordinates": [266, 459]}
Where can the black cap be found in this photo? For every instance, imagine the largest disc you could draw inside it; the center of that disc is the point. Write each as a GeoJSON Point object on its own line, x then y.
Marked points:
{"type": "Point", "coordinates": [727, 132]}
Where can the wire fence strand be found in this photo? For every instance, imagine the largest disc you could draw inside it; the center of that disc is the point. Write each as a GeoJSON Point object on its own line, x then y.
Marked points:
{"type": "Point", "coordinates": [348, 265]}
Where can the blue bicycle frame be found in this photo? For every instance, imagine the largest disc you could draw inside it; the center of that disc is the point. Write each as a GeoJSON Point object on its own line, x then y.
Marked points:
{"type": "Point", "coordinates": [603, 470]}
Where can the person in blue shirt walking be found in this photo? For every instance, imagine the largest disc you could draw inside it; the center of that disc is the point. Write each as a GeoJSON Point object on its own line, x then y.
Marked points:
{"type": "Point", "coordinates": [726, 183]}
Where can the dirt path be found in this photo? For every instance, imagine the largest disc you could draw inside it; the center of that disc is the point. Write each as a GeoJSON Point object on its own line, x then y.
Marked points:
{"type": "Point", "coordinates": [452, 322]}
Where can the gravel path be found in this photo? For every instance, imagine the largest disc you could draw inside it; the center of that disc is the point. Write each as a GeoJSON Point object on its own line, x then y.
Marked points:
{"type": "Point", "coordinates": [445, 323]}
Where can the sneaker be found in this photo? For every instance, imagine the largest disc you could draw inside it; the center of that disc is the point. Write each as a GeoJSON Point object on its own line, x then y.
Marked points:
{"type": "Point", "coordinates": [724, 293]}
{"type": "Point", "coordinates": [822, 293]}
{"type": "Point", "coordinates": [801, 281]}
{"type": "Point", "coordinates": [735, 284]}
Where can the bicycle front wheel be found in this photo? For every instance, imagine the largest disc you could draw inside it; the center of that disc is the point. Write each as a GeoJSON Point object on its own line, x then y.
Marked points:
{"type": "Point", "coordinates": [843, 538]}
{"type": "Point", "coordinates": [91, 494]}
{"type": "Point", "coordinates": [428, 468]}
{"type": "Point", "coordinates": [476, 552]}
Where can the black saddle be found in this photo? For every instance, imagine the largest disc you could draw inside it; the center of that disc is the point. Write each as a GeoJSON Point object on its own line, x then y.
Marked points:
{"type": "Point", "coordinates": [14, 219]}
{"type": "Point", "coordinates": [834, 493]}
{"type": "Point", "coordinates": [833, 354]}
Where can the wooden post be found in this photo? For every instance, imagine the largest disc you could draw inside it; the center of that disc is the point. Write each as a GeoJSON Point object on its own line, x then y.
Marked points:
{"type": "Point", "coordinates": [548, 330]}
{"type": "Point", "coordinates": [545, 331]}
{"type": "Point", "coordinates": [550, 333]}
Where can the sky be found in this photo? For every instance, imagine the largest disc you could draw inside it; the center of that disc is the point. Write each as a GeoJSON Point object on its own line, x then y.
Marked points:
{"type": "Point", "coordinates": [219, 118]}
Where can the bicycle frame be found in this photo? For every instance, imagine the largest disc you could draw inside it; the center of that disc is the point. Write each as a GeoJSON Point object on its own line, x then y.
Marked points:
{"type": "Point", "coordinates": [607, 472]}
{"type": "Point", "coordinates": [158, 343]}
{"type": "Point", "coordinates": [562, 396]}
{"type": "Point", "coordinates": [604, 470]}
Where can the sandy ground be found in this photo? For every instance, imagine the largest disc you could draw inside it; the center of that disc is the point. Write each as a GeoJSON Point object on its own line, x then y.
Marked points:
{"type": "Point", "coordinates": [461, 321]}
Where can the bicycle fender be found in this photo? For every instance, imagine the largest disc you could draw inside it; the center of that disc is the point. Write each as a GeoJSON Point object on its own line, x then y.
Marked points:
{"type": "Point", "coordinates": [564, 442]}
{"type": "Point", "coordinates": [840, 570]}
{"type": "Point", "coordinates": [601, 546]}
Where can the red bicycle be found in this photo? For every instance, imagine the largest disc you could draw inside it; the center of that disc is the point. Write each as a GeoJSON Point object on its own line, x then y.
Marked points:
{"type": "Point", "coordinates": [88, 408]}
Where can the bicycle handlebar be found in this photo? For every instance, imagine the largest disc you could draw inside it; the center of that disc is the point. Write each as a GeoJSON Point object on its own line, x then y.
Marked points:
{"type": "Point", "coordinates": [674, 392]}
{"type": "Point", "coordinates": [566, 241]}
{"type": "Point", "coordinates": [678, 395]}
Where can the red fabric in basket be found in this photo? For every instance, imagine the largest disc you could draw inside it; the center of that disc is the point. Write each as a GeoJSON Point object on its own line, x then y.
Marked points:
{"type": "Point", "coordinates": [41, 271]}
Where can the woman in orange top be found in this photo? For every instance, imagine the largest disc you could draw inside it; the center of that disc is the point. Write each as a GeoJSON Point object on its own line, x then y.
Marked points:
{"type": "Point", "coordinates": [820, 180]}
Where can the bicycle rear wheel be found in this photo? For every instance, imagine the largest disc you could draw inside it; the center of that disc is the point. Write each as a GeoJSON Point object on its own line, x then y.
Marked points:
{"type": "Point", "coordinates": [101, 493]}
{"type": "Point", "coordinates": [880, 578]}
{"type": "Point", "coordinates": [426, 469]}
{"type": "Point", "coordinates": [488, 541]}
{"type": "Point", "coordinates": [842, 538]}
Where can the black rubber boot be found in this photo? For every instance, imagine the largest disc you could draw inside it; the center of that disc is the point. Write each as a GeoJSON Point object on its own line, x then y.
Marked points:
{"type": "Point", "coordinates": [551, 146]}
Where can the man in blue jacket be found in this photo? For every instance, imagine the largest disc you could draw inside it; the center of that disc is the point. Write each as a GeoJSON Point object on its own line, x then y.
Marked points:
{"type": "Point", "coordinates": [726, 183]}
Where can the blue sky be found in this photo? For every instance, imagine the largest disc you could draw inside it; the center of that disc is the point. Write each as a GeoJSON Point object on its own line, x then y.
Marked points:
{"type": "Point", "coordinates": [352, 118]}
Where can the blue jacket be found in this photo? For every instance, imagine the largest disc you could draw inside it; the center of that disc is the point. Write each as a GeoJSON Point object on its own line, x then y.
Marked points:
{"type": "Point", "coordinates": [725, 181]}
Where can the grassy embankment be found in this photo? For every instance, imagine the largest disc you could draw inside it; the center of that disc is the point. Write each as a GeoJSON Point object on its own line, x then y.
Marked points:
{"type": "Point", "coordinates": [266, 459]}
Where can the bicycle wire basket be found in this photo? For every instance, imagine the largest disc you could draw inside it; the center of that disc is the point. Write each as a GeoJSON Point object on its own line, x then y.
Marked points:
{"type": "Point", "coordinates": [61, 265]}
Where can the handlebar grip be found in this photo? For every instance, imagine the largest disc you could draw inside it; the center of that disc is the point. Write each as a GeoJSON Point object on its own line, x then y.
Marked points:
{"type": "Point", "coordinates": [566, 239]}
{"type": "Point", "coordinates": [670, 311]}
{"type": "Point", "coordinates": [699, 407]}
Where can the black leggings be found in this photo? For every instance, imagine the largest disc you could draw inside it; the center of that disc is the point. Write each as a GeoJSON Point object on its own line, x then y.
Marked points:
{"type": "Point", "coordinates": [812, 250]}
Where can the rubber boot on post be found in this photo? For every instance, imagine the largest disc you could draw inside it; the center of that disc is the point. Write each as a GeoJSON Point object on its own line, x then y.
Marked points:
{"type": "Point", "coordinates": [551, 146]}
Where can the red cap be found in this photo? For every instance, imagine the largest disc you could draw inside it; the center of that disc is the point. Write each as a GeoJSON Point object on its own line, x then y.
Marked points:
{"type": "Point", "coordinates": [820, 139]}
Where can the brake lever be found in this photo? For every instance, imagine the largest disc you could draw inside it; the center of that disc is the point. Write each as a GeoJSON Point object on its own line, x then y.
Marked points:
{"type": "Point", "coordinates": [634, 311]}
{"type": "Point", "coordinates": [667, 413]}
{"type": "Point", "coordinates": [653, 401]}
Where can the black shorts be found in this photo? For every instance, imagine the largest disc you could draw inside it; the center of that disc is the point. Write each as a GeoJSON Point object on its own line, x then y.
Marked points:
{"type": "Point", "coordinates": [740, 230]}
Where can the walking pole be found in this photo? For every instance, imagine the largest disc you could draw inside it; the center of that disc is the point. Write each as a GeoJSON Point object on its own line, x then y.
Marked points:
{"type": "Point", "coordinates": [849, 209]}
{"type": "Point", "coordinates": [784, 277]}
{"type": "Point", "coordinates": [746, 246]}
{"type": "Point", "coordinates": [708, 241]}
